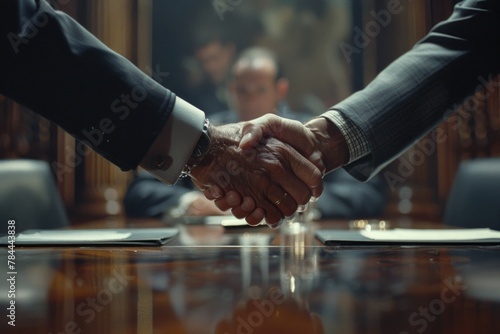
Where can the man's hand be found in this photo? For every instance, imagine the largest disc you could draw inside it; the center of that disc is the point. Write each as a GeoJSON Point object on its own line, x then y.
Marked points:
{"type": "Point", "coordinates": [318, 140]}
{"type": "Point", "coordinates": [271, 174]}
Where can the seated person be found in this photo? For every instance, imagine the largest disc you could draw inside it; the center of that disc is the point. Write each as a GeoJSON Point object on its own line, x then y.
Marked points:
{"type": "Point", "coordinates": [257, 87]}
{"type": "Point", "coordinates": [215, 54]}
{"type": "Point", "coordinates": [147, 197]}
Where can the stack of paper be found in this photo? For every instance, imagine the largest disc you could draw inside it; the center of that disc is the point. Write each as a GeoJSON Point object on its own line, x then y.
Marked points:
{"type": "Point", "coordinates": [410, 236]}
{"type": "Point", "coordinates": [135, 236]}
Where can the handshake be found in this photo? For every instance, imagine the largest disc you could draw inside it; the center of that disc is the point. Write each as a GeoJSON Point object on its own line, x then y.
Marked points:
{"type": "Point", "coordinates": [266, 168]}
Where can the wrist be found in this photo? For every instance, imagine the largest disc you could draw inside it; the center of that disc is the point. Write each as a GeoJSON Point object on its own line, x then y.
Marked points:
{"type": "Point", "coordinates": [330, 142]}
{"type": "Point", "coordinates": [222, 138]}
{"type": "Point", "coordinates": [200, 151]}
{"type": "Point", "coordinates": [174, 143]}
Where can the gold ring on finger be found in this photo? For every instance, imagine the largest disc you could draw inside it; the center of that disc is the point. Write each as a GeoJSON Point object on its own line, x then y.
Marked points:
{"type": "Point", "coordinates": [278, 202]}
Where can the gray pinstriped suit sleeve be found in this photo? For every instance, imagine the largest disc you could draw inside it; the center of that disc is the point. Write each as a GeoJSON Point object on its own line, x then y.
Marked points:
{"type": "Point", "coordinates": [419, 90]}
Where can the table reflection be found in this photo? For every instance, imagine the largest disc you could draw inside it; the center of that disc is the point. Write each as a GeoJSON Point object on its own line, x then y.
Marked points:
{"type": "Point", "coordinates": [264, 308]}
{"type": "Point", "coordinates": [255, 281]}
{"type": "Point", "coordinates": [101, 292]}
{"type": "Point", "coordinates": [271, 312]}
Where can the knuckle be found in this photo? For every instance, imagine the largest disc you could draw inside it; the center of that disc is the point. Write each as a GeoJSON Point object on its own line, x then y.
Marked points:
{"type": "Point", "coordinates": [276, 168]}
{"type": "Point", "coordinates": [237, 213]}
{"type": "Point", "coordinates": [273, 216]}
{"type": "Point", "coordinates": [290, 210]}
{"type": "Point", "coordinates": [222, 205]}
{"type": "Point", "coordinates": [252, 221]}
{"type": "Point", "coordinates": [304, 198]}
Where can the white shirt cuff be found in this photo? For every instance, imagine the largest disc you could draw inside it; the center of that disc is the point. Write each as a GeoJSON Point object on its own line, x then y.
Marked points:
{"type": "Point", "coordinates": [175, 143]}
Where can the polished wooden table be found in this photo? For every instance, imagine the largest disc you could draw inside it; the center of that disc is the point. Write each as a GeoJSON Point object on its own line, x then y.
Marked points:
{"type": "Point", "coordinates": [254, 280]}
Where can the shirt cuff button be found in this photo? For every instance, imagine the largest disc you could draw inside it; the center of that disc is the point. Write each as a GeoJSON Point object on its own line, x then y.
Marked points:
{"type": "Point", "coordinates": [160, 163]}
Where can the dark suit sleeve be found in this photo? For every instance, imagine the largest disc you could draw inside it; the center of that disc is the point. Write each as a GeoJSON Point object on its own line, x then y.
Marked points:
{"type": "Point", "coordinates": [58, 69]}
{"type": "Point", "coordinates": [424, 86]}
{"type": "Point", "coordinates": [344, 197]}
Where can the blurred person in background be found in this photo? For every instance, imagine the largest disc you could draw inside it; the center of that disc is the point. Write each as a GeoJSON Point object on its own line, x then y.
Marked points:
{"type": "Point", "coordinates": [215, 54]}
{"type": "Point", "coordinates": [305, 35]}
{"type": "Point", "coordinates": [215, 45]}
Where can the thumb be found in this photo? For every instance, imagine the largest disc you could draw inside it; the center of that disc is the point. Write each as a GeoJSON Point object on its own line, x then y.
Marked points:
{"type": "Point", "coordinates": [255, 130]}
{"type": "Point", "coordinates": [289, 131]}
{"type": "Point", "coordinates": [252, 135]}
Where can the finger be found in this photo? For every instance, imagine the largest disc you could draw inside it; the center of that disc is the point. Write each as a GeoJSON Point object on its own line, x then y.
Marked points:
{"type": "Point", "coordinates": [245, 209]}
{"type": "Point", "coordinates": [239, 213]}
{"type": "Point", "coordinates": [272, 214]}
{"type": "Point", "coordinates": [296, 189]}
{"type": "Point", "coordinates": [310, 175]}
{"type": "Point", "coordinates": [276, 225]}
{"type": "Point", "coordinates": [248, 204]}
{"type": "Point", "coordinates": [292, 172]}
{"type": "Point", "coordinates": [282, 200]}
{"type": "Point", "coordinates": [254, 131]}
{"type": "Point", "coordinates": [213, 192]}
{"type": "Point", "coordinates": [266, 210]}
{"type": "Point", "coordinates": [290, 131]}
{"type": "Point", "coordinates": [230, 200]}
{"type": "Point", "coordinates": [222, 204]}
{"type": "Point", "coordinates": [252, 135]}
{"type": "Point", "coordinates": [273, 217]}
{"type": "Point", "coordinates": [317, 161]}
{"type": "Point", "coordinates": [256, 217]}
{"type": "Point", "coordinates": [233, 198]}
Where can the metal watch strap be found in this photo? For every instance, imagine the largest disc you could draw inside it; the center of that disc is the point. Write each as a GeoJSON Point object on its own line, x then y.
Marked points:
{"type": "Point", "coordinates": [192, 162]}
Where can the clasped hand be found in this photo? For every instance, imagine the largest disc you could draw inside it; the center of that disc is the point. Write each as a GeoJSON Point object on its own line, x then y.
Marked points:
{"type": "Point", "coordinates": [265, 168]}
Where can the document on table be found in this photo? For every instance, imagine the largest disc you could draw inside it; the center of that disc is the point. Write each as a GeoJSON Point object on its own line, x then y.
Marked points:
{"type": "Point", "coordinates": [125, 237]}
{"type": "Point", "coordinates": [410, 236]}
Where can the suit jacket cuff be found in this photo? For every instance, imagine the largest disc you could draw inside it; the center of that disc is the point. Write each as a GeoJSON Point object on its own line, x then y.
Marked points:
{"type": "Point", "coordinates": [175, 143]}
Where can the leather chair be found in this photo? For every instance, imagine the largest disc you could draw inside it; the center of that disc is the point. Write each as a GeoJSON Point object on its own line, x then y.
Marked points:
{"type": "Point", "coordinates": [474, 200]}
{"type": "Point", "coordinates": [29, 196]}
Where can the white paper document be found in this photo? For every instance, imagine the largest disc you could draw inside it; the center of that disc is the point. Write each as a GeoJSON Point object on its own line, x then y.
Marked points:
{"type": "Point", "coordinates": [125, 236]}
{"type": "Point", "coordinates": [73, 235]}
{"type": "Point", "coordinates": [399, 234]}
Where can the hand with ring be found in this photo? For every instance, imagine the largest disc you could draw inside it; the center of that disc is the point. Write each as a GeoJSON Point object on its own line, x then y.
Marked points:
{"type": "Point", "coordinates": [318, 140]}
{"type": "Point", "coordinates": [278, 202]}
{"type": "Point", "coordinates": [272, 178]}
